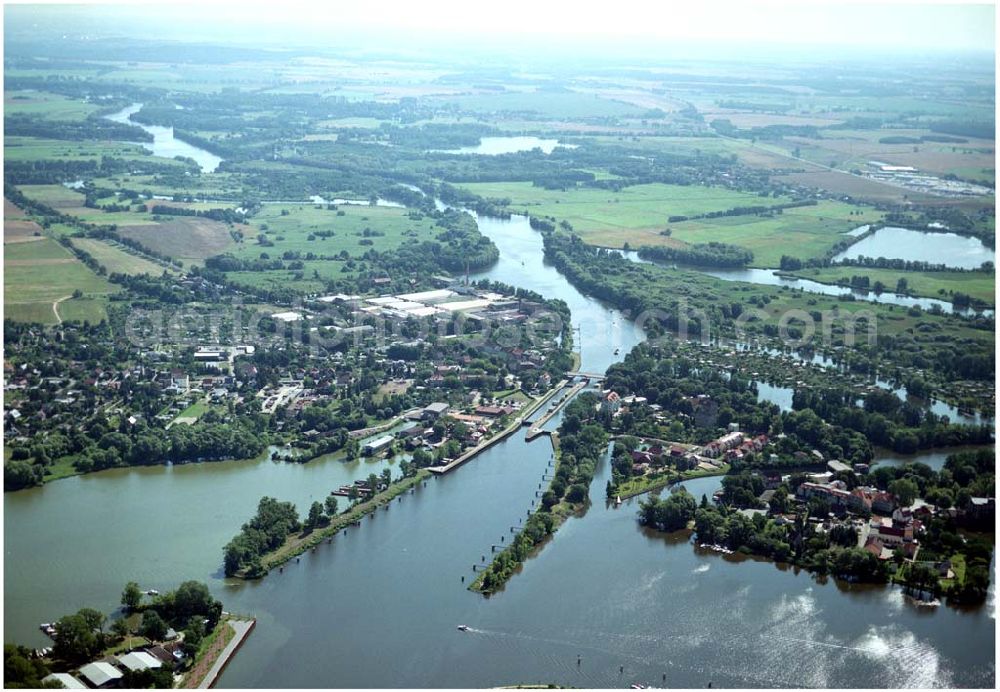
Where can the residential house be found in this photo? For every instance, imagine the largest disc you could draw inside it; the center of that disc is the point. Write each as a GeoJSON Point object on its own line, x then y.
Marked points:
{"type": "Point", "coordinates": [101, 674]}
{"type": "Point", "coordinates": [611, 403]}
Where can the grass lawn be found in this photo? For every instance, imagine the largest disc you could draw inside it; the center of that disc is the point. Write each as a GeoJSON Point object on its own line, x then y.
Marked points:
{"type": "Point", "coordinates": [512, 394]}
{"type": "Point", "coordinates": [979, 285]}
{"type": "Point", "coordinates": [195, 410]}
{"type": "Point", "coordinates": [60, 468]}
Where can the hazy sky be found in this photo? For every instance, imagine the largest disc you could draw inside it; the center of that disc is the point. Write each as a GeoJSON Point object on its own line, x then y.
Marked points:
{"type": "Point", "coordinates": [913, 25]}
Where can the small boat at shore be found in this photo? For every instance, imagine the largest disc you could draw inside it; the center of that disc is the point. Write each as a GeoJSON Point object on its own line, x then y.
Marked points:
{"type": "Point", "coordinates": [618, 500]}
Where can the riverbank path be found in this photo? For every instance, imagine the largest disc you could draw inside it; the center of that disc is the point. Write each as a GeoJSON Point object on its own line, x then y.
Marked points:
{"type": "Point", "coordinates": [242, 629]}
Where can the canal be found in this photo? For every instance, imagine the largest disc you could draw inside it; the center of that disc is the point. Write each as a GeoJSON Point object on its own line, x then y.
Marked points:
{"type": "Point", "coordinates": [378, 607]}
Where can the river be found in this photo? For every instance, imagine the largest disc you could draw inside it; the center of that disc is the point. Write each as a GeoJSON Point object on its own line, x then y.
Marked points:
{"type": "Point", "coordinates": [165, 144]}
{"type": "Point", "coordinates": [378, 607]}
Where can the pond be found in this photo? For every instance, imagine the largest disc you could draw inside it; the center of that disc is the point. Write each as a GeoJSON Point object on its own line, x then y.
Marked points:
{"type": "Point", "coordinates": [950, 249]}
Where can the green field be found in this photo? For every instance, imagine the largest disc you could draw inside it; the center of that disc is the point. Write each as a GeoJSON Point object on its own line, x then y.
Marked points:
{"type": "Point", "coordinates": [593, 211]}
{"type": "Point", "coordinates": [39, 104]}
{"type": "Point", "coordinates": [291, 232]}
{"type": "Point", "coordinates": [36, 252]}
{"type": "Point", "coordinates": [116, 259]}
{"type": "Point", "coordinates": [979, 285]}
{"type": "Point", "coordinates": [204, 185]}
{"type": "Point", "coordinates": [38, 283]}
{"type": "Point", "coordinates": [802, 232]}
{"type": "Point", "coordinates": [56, 196]}
{"type": "Point", "coordinates": [41, 273]}
{"type": "Point", "coordinates": [36, 149]}
{"type": "Point", "coordinates": [636, 215]}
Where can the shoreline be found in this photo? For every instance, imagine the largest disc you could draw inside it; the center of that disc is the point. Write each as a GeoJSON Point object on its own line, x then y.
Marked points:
{"type": "Point", "coordinates": [240, 629]}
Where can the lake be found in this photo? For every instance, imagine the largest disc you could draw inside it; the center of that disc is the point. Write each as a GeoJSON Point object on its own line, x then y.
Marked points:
{"type": "Point", "coordinates": [165, 144]}
{"type": "Point", "coordinates": [950, 249]}
{"type": "Point", "coordinates": [378, 607]}
{"type": "Point", "coordinates": [492, 146]}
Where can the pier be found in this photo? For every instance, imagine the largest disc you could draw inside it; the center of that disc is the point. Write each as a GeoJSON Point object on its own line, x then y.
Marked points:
{"type": "Point", "coordinates": [515, 425]}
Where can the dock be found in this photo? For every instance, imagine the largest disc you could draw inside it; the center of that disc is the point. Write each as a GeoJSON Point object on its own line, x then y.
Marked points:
{"type": "Point", "coordinates": [502, 435]}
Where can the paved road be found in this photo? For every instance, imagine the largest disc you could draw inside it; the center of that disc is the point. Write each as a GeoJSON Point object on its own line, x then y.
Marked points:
{"type": "Point", "coordinates": [242, 629]}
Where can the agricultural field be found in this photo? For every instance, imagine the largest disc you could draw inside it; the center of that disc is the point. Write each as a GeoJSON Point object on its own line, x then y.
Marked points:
{"type": "Point", "coordinates": [187, 238]}
{"type": "Point", "coordinates": [18, 228]}
{"type": "Point", "coordinates": [596, 213]}
{"type": "Point", "coordinates": [40, 279]}
{"type": "Point", "coordinates": [38, 104]}
{"type": "Point", "coordinates": [116, 259]}
{"type": "Point", "coordinates": [979, 285]}
{"type": "Point", "coordinates": [37, 149]}
{"type": "Point", "coordinates": [45, 251]}
{"type": "Point", "coordinates": [56, 196]}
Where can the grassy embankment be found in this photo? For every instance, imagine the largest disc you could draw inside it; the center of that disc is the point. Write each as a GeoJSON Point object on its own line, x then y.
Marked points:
{"type": "Point", "coordinates": [637, 485]}
{"type": "Point", "coordinates": [299, 543]}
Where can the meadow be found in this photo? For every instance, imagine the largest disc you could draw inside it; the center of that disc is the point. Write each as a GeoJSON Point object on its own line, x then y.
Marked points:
{"type": "Point", "coordinates": [38, 104]}
{"type": "Point", "coordinates": [187, 238]}
{"type": "Point", "coordinates": [356, 230]}
{"type": "Point", "coordinates": [37, 149]}
{"type": "Point", "coordinates": [116, 259]}
{"type": "Point", "coordinates": [290, 228]}
{"type": "Point", "coordinates": [594, 211]}
{"type": "Point", "coordinates": [638, 214]}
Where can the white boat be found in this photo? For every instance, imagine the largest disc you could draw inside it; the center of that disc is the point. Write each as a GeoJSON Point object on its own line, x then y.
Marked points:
{"type": "Point", "coordinates": [464, 628]}
{"type": "Point", "coordinates": [152, 592]}
{"type": "Point", "coordinates": [618, 500]}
